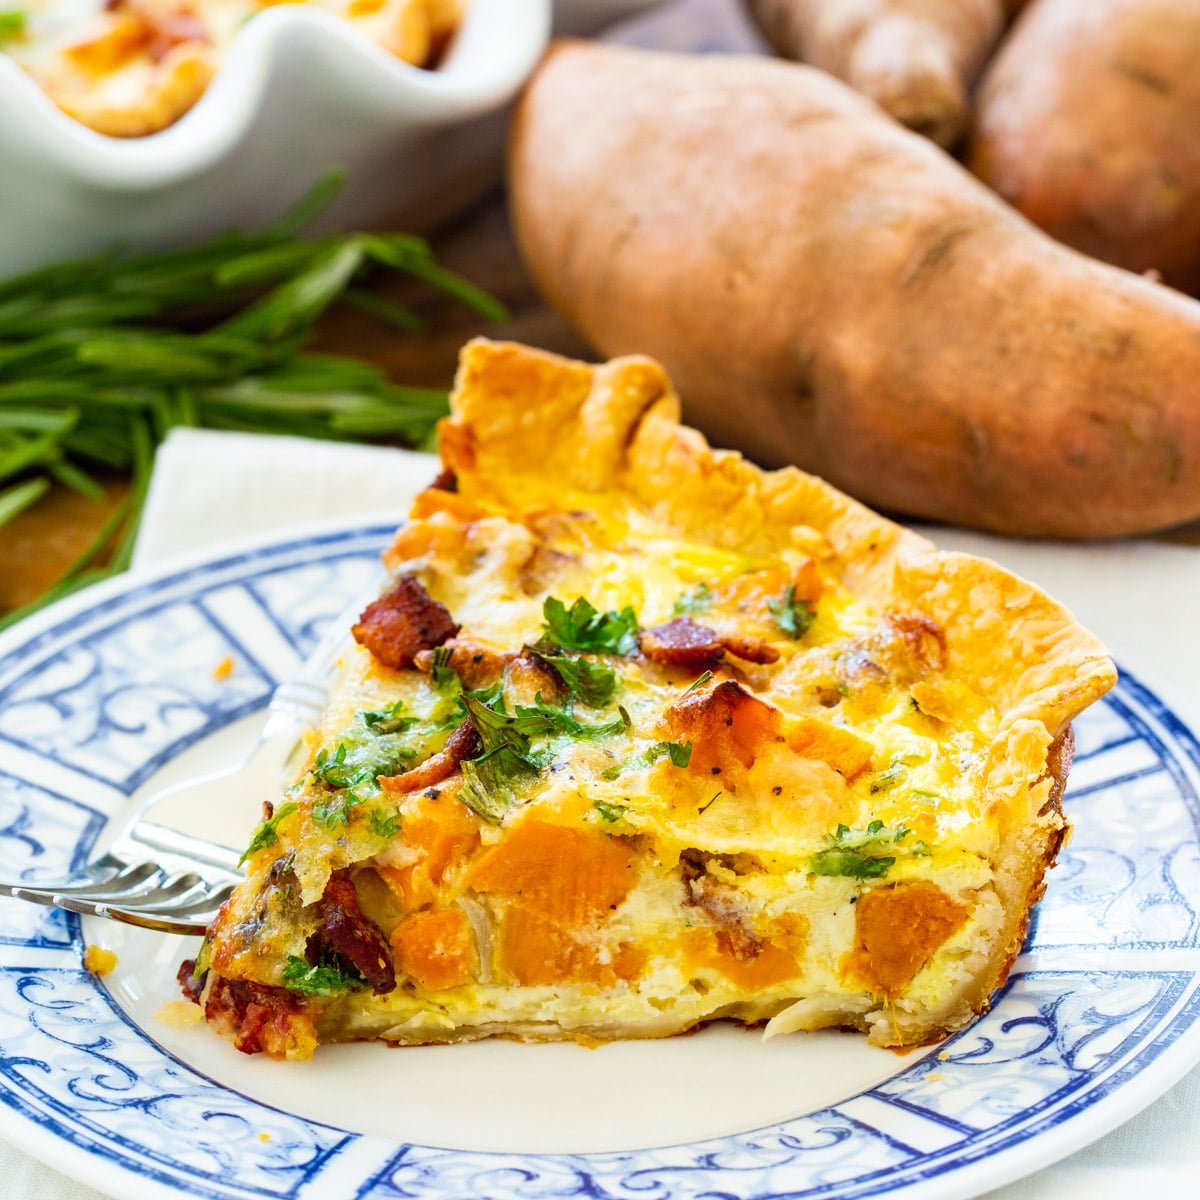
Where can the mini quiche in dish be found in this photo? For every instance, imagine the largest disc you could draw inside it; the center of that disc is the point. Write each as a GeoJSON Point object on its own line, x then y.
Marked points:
{"type": "Point", "coordinates": [641, 736]}
{"type": "Point", "coordinates": [132, 67]}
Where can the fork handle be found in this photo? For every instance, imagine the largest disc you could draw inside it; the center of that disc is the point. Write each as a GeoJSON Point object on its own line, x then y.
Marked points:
{"type": "Point", "coordinates": [307, 689]}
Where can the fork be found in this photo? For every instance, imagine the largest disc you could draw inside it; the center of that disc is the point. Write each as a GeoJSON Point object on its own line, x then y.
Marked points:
{"type": "Point", "coordinates": [189, 878]}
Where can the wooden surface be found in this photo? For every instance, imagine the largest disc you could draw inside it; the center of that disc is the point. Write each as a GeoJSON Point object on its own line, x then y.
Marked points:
{"type": "Point", "coordinates": [38, 545]}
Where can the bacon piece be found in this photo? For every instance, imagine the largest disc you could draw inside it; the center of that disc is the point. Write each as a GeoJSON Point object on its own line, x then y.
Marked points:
{"type": "Point", "coordinates": [260, 1018]}
{"type": "Point", "coordinates": [345, 933]}
{"type": "Point", "coordinates": [462, 744]}
{"type": "Point", "coordinates": [478, 665]}
{"type": "Point", "coordinates": [191, 984]}
{"type": "Point", "coordinates": [723, 903]}
{"type": "Point", "coordinates": [752, 649]}
{"type": "Point", "coordinates": [681, 643]}
{"type": "Point", "coordinates": [398, 626]}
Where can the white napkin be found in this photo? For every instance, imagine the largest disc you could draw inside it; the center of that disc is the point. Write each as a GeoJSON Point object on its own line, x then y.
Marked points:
{"type": "Point", "coordinates": [209, 488]}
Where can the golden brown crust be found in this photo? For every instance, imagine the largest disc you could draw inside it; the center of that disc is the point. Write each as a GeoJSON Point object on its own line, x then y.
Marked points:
{"type": "Point", "coordinates": [616, 426]}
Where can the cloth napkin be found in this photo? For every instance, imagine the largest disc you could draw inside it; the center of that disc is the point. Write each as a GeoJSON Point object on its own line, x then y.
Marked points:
{"type": "Point", "coordinates": [209, 488]}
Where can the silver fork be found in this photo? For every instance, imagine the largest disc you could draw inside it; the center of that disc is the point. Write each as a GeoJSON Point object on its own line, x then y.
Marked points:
{"type": "Point", "coordinates": [181, 888]}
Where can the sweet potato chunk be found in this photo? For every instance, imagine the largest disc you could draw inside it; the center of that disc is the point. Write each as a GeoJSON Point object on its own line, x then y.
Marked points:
{"type": "Point", "coordinates": [767, 965]}
{"type": "Point", "coordinates": [444, 832]}
{"type": "Point", "coordinates": [845, 752]}
{"type": "Point", "coordinates": [572, 876]}
{"type": "Point", "coordinates": [538, 952]}
{"type": "Point", "coordinates": [436, 947]}
{"type": "Point", "coordinates": [899, 928]}
{"type": "Point", "coordinates": [727, 727]}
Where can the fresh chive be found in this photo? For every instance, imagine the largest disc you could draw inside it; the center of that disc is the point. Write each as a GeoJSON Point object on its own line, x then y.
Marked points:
{"type": "Point", "coordinates": [102, 357]}
{"type": "Point", "coordinates": [20, 496]}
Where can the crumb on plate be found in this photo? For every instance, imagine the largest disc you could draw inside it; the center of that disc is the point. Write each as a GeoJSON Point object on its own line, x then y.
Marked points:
{"type": "Point", "coordinates": [179, 1014]}
{"type": "Point", "coordinates": [224, 668]}
{"type": "Point", "coordinates": [98, 960]}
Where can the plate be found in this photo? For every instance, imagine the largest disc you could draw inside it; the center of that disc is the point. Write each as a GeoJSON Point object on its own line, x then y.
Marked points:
{"type": "Point", "coordinates": [115, 692]}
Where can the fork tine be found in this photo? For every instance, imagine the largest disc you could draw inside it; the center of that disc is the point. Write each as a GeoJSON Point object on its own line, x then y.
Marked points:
{"type": "Point", "coordinates": [160, 924]}
{"type": "Point", "coordinates": [122, 882]}
{"type": "Point", "coordinates": [183, 903]}
{"type": "Point", "coordinates": [187, 904]}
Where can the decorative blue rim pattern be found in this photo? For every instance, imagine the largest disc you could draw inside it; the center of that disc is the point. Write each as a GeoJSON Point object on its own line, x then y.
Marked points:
{"type": "Point", "coordinates": [105, 689]}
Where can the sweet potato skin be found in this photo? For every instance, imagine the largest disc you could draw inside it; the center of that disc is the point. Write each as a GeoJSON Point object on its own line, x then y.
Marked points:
{"type": "Point", "coordinates": [915, 58]}
{"type": "Point", "coordinates": [828, 289]}
{"type": "Point", "coordinates": [1087, 123]}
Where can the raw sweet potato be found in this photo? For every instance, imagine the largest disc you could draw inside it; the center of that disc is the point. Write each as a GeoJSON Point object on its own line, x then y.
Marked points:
{"type": "Point", "coordinates": [1088, 123]}
{"type": "Point", "coordinates": [915, 58]}
{"type": "Point", "coordinates": [829, 289]}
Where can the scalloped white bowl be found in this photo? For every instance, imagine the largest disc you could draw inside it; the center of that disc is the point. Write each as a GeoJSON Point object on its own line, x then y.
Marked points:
{"type": "Point", "coordinates": [298, 93]}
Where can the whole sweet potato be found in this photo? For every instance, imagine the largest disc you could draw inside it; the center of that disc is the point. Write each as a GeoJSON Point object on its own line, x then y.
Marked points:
{"type": "Point", "coordinates": [829, 289]}
{"type": "Point", "coordinates": [915, 58]}
{"type": "Point", "coordinates": [1089, 124]}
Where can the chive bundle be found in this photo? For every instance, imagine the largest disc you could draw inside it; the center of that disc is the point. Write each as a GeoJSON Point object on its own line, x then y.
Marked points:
{"type": "Point", "coordinates": [102, 357]}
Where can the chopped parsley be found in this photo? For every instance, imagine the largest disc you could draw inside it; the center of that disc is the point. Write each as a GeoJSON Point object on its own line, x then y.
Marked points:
{"type": "Point", "coordinates": [792, 615]}
{"type": "Point", "coordinates": [388, 720]}
{"type": "Point", "coordinates": [547, 720]}
{"type": "Point", "coordinates": [321, 980]}
{"type": "Point", "coordinates": [696, 600]}
{"type": "Point", "coordinates": [334, 772]}
{"type": "Point", "coordinates": [12, 23]}
{"type": "Point", "coordinates": [446, 682]}
{"type": "Point", "coordinates": [487, 787]}
{"type": "Point", "coordinates": [267, 832]}
{"type": "Point", "coordinates": [508, 750]}
{"type": "Point", "coordinates": [336, 810]}
{"type": "Point", "coordinates": [860, 854]}
{"type": "Point", "coordinates": [384, 824]}
{"type": "Point", "coordinates": [508, 755]}
{"type": "Point", "coordinates": [680, 754]}
{"type": "Point", "coordinates": [445, 677]}
{"type": "Point", "coordinates": [583, 629]}
{"type": "Point", "coordinates": [610, 812]}
{"type": "Point", "coordinates": [592, 683]}
{"type": "Point", "coordinates": [887, 779]}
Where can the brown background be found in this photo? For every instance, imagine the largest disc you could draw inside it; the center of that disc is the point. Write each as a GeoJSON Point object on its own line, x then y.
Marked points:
{"type": "Point", "coordinates": [39, 544]}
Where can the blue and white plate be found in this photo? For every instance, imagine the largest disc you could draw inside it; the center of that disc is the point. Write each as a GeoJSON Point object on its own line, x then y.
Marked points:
{"type": "Point", "coordinates": [115, 692]}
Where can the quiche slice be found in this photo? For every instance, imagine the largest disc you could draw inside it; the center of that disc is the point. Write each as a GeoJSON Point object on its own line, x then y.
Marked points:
{"type": "Point", "coordinates": [640, 736]}
{"type": "Point", "coordinates": [129, 68]}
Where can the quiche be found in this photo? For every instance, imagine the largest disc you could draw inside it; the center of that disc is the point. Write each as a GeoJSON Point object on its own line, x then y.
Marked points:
{"type": "Point", "coordinates": [133, 67]}
{"type": "Point", "coordinates": [640, 736]}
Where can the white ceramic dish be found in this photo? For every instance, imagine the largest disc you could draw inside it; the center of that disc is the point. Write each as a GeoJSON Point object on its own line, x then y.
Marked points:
{"type": "Point", "coordinates": [112, 693]}
{"type": "Point", "coordinates": [299, 92]}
